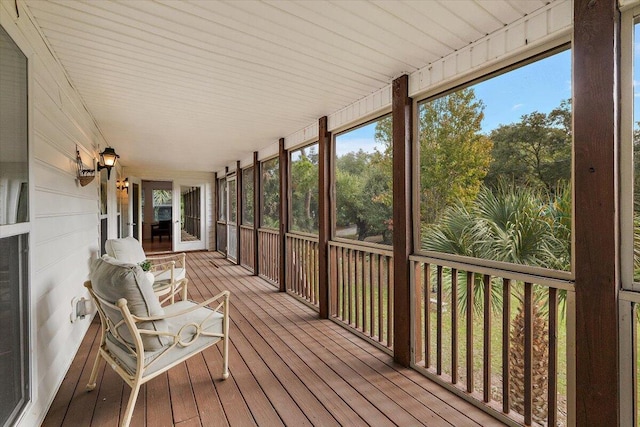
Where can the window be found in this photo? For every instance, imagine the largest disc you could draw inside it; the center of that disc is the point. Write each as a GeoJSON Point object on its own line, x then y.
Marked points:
{"type": "Point", "coordinates": [363, 183]}
{"type": "Point", "coordinates": [495, 167]}
{"type": "Point", "coordinates": [247, 196]}
{"type": "Point", "coordinates": [233, 201]}
{"type": "Point", "coordinates": [304, 189]}
{"type": "Point", "coordinates": [14, 250]}
{"type": "Point", "coordinates": [636, 155]}
{"type": "Point", "coordinates": [271, 193]}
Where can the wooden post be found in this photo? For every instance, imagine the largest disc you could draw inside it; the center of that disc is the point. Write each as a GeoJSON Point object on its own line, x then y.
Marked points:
{"type": "Point", "coordinates": [402, 225]}
{"type": "Point", "coordinates": [256, 212]}
{"type": "Point", "coordinates": [283, 162]}
{"type": "Point", "coordinates": [216, 215]}
{"type": "Point", "coordinates": [596, 118]}
{"type": "Point", "coordinates": [238, 211]}
{"type": "Point", "coordinates": [324, 215]}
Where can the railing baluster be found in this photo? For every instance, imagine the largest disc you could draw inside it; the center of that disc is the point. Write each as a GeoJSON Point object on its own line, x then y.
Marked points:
{"type": "Point", "coordinates": [552, 387]}
{"type": "Point", "coordinates": [469, 319]}
{"type": "Point", "coordinates": [371, 300]}
{"type": "Point", "coordinates": [357, 287]}
{"type": "Point", "coordinates": [454, 326]}
{"type": "Point", "coordinates": [528, 351]}
{"type": "Point", "coordinates": [389, 302]}
{"type": "Point", "coordinates": [417, 309]}
{"type": "Point", "coordinates": [439, 321]}
{"type": "Point", "coordinates": [506, 344]}
{"type": "Point", "coordinates": [427, 314]}
{"type": "Point", "coordinates": [486, 362]}
{"type": "Point", "coordinates": [380, 299]}
{"type": "Point", "coordinates": [364, 292]}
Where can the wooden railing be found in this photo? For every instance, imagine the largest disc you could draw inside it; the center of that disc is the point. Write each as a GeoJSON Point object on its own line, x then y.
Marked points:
{"type": "Point", "coordinates": [501, 339]}
{"type": "Point", "coordinates": [269, 254]}
{"type": "Point", "coordinates": [362, 290]}
{"type": "Point", "coordinates": [302, 267]}
{"type": "Point", "coordinates": [247, 258]}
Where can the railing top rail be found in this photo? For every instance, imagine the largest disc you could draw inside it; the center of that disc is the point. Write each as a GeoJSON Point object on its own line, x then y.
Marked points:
{"type": "Point", "coordinates": [550, 282]}
{"type": "Point", "coordinates": [246, 227]}
{"type": "Point", "coordinates": [268, 231]}
{"type": "Point", "coordinates": [629, 296]}
{"type": "Point", "coordinates": [308, 237]}
{"type": "Point", "coordinates": [362, 248]}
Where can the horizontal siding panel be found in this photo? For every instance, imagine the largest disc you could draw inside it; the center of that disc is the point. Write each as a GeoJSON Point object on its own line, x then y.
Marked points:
{"type": "Point", "coordinates": [308, 134]}
{"type": "Point", "coordinates": [375, 102]}
{"type": "Point", "coordinates": [49, 229]}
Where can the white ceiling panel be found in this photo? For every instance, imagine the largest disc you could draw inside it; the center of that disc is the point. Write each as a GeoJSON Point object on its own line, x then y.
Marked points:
{"type": "Point", "coordinates": [196, 85]}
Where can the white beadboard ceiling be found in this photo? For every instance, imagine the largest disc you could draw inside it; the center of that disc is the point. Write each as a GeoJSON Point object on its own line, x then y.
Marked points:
{"type": "Point", "coordinates": [197, 85]}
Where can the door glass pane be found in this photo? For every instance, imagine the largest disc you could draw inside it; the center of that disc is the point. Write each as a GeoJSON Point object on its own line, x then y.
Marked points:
{"type": "Point", "coordinates": [189, 213]}
{"type": "Point", "coordinates": [14, 366]}
{"type": "Point", "coordinates": [222, 199]}
{"type": "Point", "coordinates": [14, 167]}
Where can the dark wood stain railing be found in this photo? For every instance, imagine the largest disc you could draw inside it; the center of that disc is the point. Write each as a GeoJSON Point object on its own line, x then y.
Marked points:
{"type": "Point", "coordinates": [529, 331]}
{"type": "Point", "coordinates": [269, 254]}
{"type": "Point", "coordinates": [302, 267]}
{"type": "Point", "coordinates": [362, 290]}
{"type": "Point", "coordinates": [247, 258]}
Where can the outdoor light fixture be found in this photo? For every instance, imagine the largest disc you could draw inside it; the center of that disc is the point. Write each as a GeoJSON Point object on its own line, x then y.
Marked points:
{"type": "Point", "coordinates": [85, 176]}
{"type": "Point", "coordinates": [123, 185]}
{"type": "Point", "coordinates": [108, 159]}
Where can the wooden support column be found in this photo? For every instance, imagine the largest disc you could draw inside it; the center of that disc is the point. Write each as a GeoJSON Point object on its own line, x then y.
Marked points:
{"type": "Point", "coordinates": [283, 162]}
{"type": "Point", "coordinates": [256, 212]}
{"type": "Point", "coordinates": [402, 229]}
{"type": "Point", "coordinates": [324, 215]}
{"type": "Point", "coordinates": [596, 118]}
{"type": "Point", "coordinates": [216, 215]}
{"type": "Point", "coordinates": [238, 211]}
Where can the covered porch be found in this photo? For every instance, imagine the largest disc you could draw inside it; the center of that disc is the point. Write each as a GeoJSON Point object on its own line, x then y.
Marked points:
{"type": "Point", "coordinates": [287, 368]}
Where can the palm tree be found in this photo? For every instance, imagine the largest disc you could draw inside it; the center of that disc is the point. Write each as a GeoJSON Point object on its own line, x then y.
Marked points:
{"type": "Point", "coordinates": [519, 225]}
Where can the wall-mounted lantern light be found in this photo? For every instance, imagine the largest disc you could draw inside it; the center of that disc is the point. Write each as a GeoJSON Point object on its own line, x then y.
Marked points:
{"type": "Point", "coordinates": [108, 159]}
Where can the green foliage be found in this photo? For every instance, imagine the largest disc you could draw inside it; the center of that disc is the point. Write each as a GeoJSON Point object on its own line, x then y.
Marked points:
{"type": "Point", "coordinates": [145, 265]}
{"type": "Point", "coordinates": [304, 190]}
{"type": "Point", "coordinates": [454, 155]}
{"type": "Point", "coordinates": [535, 151]}
{"type": "Point", "coordinates": [271, 193]}
{"type": "Point", "coordinates": [362, 183]}
{"type": "Point", "coordinates": [247, 196]}
{"type": "Point", "coordinates": [515, 224]}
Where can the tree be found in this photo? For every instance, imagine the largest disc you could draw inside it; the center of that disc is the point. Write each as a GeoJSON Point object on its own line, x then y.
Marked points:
{"type": "Point", "coordinates": [521, 225]}
{"type": "Point", "coordinates": [304, 190]}
{"type": "Point", "coordinates": [534, 151]}
{"type": "Point", "coordinates": [454, 155]}
{"type": "Point", "coordinates": [270, 193]}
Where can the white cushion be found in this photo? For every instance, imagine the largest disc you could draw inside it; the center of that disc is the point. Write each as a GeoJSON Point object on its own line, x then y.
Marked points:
{"type": "Point", "coordinates": [212, 324]}
{"type": "Point", "coordinates": [114, 280]}
{"type": "Point", "coordinates": [125, 250]}
{"type": "Point", "coordinates": [165, 275]}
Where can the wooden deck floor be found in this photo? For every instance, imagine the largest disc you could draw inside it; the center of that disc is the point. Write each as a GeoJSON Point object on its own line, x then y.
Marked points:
{"type": "Point", "coordinates": [287, 368]}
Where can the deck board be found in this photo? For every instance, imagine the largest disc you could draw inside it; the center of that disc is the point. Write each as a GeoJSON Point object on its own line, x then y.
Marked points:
{"type": "Point", "coordinates": [287, 367]}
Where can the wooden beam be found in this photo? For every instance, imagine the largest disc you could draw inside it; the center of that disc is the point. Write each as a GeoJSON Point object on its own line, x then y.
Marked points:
{"type": "Point", "coordinates": [238, 210]}
{"type": "Point", "coordinates": [216, 214]}
{"type": "Point", "coordinates": [283, 162]}
{"type": "Point", "coordinates": [596, 106]}
{"type": "Point", "coordinates": [402, 226]}
{"type": "Point", "coordinates": [324, 215]}
{"type": "Point", "coordinates": [256, 211]}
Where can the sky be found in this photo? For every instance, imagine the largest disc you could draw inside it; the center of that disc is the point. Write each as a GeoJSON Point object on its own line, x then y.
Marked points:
{"type": "Point", "coordinates": [539, 86]}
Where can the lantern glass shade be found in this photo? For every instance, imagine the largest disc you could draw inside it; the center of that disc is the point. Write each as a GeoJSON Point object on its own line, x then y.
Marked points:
{"type": "Point", "coordinates": [109, 157]}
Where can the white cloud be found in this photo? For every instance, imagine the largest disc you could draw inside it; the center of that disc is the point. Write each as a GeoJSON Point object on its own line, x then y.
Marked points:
{"type": "Point", "coordinates": [517, 107]}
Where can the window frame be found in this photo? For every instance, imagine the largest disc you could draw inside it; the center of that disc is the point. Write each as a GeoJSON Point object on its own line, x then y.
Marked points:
{"type": "Point", "coordinates": [364, 121]}
{"type": "Point", "coordinates": [26, 229]}
{"type": "Point", "coordinates": [491, 71]}
{"type": "Point", "coordinates": [243, 194]}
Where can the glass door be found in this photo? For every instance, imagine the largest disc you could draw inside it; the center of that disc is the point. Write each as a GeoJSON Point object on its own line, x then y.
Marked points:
{"type": "Point", "coordinates": [188, 217]}
{"type": "Point", "coordinates": [232, 222]}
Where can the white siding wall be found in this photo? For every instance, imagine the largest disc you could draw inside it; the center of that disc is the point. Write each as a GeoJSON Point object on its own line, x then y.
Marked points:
{"type": "Point", "coordinates": [64, 216]}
